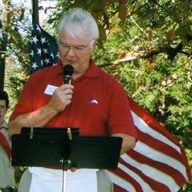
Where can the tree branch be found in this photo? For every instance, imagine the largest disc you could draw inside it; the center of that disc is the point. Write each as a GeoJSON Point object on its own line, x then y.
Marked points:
{"type": "Point", "coordinates": [171, 52]}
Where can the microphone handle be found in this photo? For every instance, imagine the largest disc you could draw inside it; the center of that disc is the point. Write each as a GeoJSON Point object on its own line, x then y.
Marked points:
{"type": "Point", "coordinates": [67, 79]}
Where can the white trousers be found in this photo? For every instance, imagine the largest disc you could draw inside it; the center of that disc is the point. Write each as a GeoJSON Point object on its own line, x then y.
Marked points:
{"type": "Point", "coordinates": [51, 180]}
{"type": "Point", "coordinates": [104, 183]}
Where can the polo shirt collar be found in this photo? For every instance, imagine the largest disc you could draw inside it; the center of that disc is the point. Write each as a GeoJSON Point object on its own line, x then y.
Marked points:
{"type": "Point", "coordinates": [92, 72]}
{"type": "Point", "coordinates": [4, 125]}
{"type": "Point", "coordinates": [59, 68]}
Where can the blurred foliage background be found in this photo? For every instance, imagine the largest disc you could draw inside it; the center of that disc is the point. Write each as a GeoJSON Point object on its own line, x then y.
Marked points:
{"type": "Point", "coordinates": [145, 44]}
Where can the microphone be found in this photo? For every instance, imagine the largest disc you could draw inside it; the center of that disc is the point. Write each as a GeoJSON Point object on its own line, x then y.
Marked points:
{"type": "Point", "coordinates": [68, 71]}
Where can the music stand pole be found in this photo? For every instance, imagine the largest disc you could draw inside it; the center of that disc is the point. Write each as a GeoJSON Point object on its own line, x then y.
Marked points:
{"type": "Point", "coordinates": [65, 164]}
{"type": "Point", "coordinates": [64, 180]}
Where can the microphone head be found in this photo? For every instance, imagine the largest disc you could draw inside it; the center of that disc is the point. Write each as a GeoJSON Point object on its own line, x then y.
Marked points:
{"type": "Point", "coordinates": [68, 70]}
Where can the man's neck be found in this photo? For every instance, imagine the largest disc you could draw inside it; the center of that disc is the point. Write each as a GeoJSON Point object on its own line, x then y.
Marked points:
{"type": "Point", "coordinates": [3, 124]}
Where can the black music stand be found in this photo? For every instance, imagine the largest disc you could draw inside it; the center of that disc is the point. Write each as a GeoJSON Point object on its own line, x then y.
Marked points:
{"type": "Point", "coordinates": [64, 148]}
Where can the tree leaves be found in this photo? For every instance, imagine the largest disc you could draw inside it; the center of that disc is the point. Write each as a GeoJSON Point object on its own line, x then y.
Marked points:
{"type": "Point", "coordinates": [146, 45]}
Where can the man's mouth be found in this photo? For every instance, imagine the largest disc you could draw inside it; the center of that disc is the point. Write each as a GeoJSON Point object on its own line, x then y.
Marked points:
{"type": "Point", "coordinates": [70, 60]}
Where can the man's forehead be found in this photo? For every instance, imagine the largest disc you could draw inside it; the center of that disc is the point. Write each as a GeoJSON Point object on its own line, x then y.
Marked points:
{"type": "Point", "coordinates": [2, 102]}
{"type": "Point", "coordinates": [71, 34]}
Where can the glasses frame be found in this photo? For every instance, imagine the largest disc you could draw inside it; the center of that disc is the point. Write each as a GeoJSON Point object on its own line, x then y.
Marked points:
{"type": "Point", "coordinates": [77, 49]}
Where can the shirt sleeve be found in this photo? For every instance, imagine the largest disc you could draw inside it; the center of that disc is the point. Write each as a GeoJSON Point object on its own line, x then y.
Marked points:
{"type": "Point", "coordinates": [24, 104]}
{"type": "Point", "coordinates": [120, 117]}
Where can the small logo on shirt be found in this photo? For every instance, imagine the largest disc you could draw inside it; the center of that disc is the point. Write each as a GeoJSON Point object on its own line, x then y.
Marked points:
{"type": "Point", "coordinates": [93, 101]}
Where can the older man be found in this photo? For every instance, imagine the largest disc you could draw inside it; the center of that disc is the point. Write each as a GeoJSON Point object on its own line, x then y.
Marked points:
{"type": "Point", "coordinates": [94, 101]}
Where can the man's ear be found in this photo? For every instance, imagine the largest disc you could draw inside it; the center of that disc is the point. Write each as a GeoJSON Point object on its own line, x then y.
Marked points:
{"type": "Point", "coordinates": [93, 45]}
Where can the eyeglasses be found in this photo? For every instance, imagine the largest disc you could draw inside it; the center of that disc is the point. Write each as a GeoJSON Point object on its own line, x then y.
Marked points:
{"type": "Point", "coordinates": [78, 49]}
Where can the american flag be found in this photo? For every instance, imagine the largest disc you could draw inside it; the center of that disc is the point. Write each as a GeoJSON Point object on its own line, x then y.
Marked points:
{"type": "Point", "coordinates": [157, 163]}
{"type": "Point", "coordinates": [43, 49]}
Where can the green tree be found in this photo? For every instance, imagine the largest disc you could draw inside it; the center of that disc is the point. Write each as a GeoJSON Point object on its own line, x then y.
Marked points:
{"type": "Point", "coordinates": [146, 45]}
{"type": "Point", "coordinates": [15, 32]}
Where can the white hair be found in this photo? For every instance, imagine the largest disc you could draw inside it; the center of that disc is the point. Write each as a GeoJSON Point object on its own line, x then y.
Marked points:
{"type": "Point", "coordinates": [76, 21]}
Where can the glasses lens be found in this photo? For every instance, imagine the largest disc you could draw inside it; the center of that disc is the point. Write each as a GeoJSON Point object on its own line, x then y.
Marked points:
{"type": "Point", "coordinates": [65, 47]}
{"type": "Point", "coordinates": [79, 50]}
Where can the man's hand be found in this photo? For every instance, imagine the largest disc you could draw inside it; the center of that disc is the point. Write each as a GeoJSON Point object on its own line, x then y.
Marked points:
{"type": "Point", "coordinates": [61, 97]}
{"type": "Point", "coordinates": [39, 118]}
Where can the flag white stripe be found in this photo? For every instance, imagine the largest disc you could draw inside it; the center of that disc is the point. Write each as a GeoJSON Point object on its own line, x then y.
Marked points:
{"type": "Point", "coordinates": [153, 173]}
{"type": "Point", "coordinates": [143, 127]}
{"type": "Point", "coordinates": [149, 152]}
{"type": "Point", "coordinates": [121, 182]}
{"type": "Point", "coordinates": [144, 185]}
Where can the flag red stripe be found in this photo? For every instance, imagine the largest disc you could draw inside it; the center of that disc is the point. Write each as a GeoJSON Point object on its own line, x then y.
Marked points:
{"type": "Point", "coordinates": [155, 185]}
{"type": "Point", "coordinates": [175, 174]}
{"type": "Point", "coordinates": [158, 127]}
{"type": "Point", "coordinates": [118, 188]}
{"type": "Point", "coordinates": [131, 180]}
{"type": "Point", "coordinates": [158, 145]}
{"type": "Point", "coordinates": [151, 122]}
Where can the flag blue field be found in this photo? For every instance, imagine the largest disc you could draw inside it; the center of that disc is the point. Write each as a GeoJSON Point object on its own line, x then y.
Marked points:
{"type": "Point", "coordinates": [43, 49]}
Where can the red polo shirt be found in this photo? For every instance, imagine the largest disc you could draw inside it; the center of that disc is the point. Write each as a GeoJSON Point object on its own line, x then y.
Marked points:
{"type": "Point", "coordinates": [99, 103]}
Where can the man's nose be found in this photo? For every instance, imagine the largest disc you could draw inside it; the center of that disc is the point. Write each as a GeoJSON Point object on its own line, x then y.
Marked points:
{"type": "Point", "coordinates": [71, 52]}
